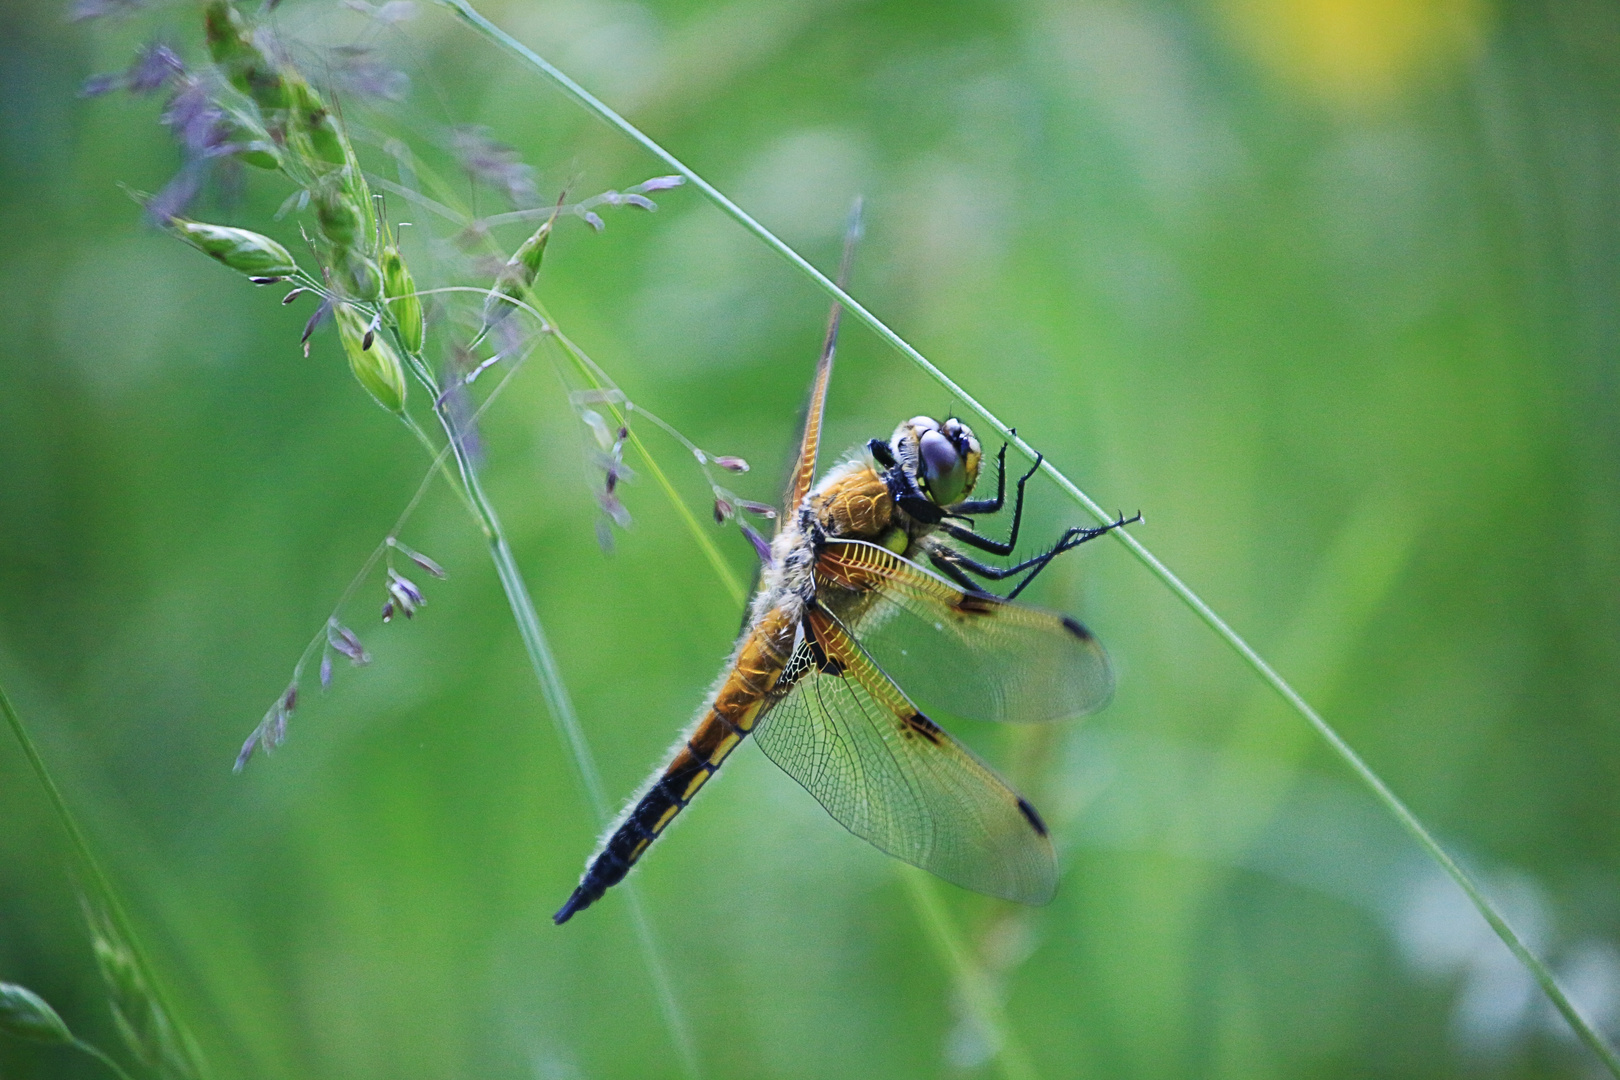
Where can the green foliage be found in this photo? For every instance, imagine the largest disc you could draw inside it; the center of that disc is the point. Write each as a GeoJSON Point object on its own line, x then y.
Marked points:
{"type": "Point", "coordinates": [26, 1015]}
{"type": "Point", "coordinates": [1349, 355]}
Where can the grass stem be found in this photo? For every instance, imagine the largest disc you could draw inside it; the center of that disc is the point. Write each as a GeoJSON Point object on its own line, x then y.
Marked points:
{"type": "Point", "coordinates": [971, 983]}
{"type": "Point", "coordinates": [92, 872]}
{"type": "Point", "coordinates": [566, 720]}
{"type": "Point", "coordinates": [1380, 791]}
{"type": "Point", "coordinates": [559, 702]}
{"type": "Point", "coordinates": [95, 1052]}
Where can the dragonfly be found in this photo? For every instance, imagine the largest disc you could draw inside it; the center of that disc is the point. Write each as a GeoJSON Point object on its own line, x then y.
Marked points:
{"type": "Point", "coordinates": [845, 619]}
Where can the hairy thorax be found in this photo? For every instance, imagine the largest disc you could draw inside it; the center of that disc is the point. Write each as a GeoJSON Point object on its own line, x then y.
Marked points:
{"type": "Point", "coordinates": [853, 503]}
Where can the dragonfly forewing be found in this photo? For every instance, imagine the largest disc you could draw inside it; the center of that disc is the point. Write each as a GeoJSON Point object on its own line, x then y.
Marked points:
{"type": "Point", "coordinates": [971, 654]}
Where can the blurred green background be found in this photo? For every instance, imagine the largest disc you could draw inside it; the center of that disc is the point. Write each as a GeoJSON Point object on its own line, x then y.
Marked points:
{"type": "Point", "coordinates": [1326, 288]}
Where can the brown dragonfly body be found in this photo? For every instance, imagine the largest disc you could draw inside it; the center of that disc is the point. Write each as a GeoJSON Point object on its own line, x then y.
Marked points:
{"type": "Point", "coordinates": [843, 611]}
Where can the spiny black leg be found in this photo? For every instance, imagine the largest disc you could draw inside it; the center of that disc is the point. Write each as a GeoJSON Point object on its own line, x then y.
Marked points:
{"type": "Point", "coordinates": [984, 543]}
{"type": "Point", "coordinates": [953, 565]}
{"type": "Point", "coordinates": [881, 453]}
{"type": "Point", "coordinates": [1070, 540]}
{"type": "Point", "coordinates": [922, 508]}
{"type": "Point", "coordinates": [989, 506]}
{"type": "Point", "coordinates": [910, 498]}
{"type": "Point", "coordinates": [960, 563]}
{"type": "Point", "coordinates": [957, 565]}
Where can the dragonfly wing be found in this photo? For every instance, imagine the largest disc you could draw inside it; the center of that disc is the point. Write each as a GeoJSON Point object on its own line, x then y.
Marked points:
{"type": "Point", "coordinates": [839, 726]}
{"type": "Point", "coordinates": [967, 653]}
{"type": "Point", "coordinates": [804, 467]}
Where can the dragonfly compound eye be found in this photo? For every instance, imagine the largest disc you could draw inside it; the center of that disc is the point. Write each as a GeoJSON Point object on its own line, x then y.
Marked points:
{"type": "Point", "coordinates": [944, 473]}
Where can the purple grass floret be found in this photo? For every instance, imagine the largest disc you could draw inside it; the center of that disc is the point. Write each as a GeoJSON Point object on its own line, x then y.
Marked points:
{"type": "Point", "coordinates": [99, 85]}
{"type": "Point", "coordinates": [81, 10]}
{"type": "Point", "coordinates": [762, 546]}
{"type": "Point", "coordinates": [342, 639]}
{"type": "Point", "coordinates": [403, 595]}
{"type": "Point", "coordinates": [418, 558]}
{"type": "Point", "coordinates": [357, 70]}
{"type": "Point", "coordinates": [272, 730]}
{"type": "Point", "coordinates": [494, 164]}
{"type": "Point", "coordinates": [731, 464]}
{"type": "Point", "coordinates": [193, 119]}
{"type": "Point", "coordinates": [613, 508]}
{"type": "Point", "coordinates": [321, 314]}
{"type": "Point", "coordinates": [152, 69]}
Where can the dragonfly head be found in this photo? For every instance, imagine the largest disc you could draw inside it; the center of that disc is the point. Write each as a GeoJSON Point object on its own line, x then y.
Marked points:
{"type": "Point", "coordinates": [942, 457]}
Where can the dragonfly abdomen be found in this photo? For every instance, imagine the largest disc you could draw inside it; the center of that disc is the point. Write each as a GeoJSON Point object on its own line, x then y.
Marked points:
{"type": "Point", "coordinates": [759, 661]}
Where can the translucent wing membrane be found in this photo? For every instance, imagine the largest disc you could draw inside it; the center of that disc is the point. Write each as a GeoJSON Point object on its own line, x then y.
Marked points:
{"type": "Point", "coordinates": [844, 730]}
{"type": "Point", "coordinates": [969, 654]}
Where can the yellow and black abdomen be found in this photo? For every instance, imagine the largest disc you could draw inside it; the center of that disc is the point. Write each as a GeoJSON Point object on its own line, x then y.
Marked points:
{"type": "Point", "coordinates": [726, 722]}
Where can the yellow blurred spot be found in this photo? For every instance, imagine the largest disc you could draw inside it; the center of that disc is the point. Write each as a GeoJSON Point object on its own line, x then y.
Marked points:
{"type": "Point", "coordinates": [1357, 51]}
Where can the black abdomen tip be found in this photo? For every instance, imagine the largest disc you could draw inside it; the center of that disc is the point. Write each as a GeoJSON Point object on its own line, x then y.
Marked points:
{"type": "Point", "coordinates": [575, 903]}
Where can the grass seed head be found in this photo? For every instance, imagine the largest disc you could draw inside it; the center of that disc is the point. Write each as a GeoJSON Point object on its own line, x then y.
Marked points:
{"type": "Point", "coordinates": [231, 44]}
{"type": "Point", "coordinates": [251, 253]}
{"type": "Point", "coordinates": [378, 368]}
{"type": "Point", "coordinates": [518, 274]}
{"type": "Point", "coordinates": [400, 291]}
{"type": "Point", "coordinates": [316, 122]}
{"type": "Point", "coordinates": [337, 216]}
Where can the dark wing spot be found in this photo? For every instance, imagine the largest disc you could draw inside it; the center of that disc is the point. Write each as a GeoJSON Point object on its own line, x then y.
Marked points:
{"type": "Point", "coordinates": [1031, 816]}
{"type": "Point", "coordinates": [919, 724]}
{"type": "Point", "coordinates": [977, 603]}
{"type": "Point", "coordinates": [1073, 626]}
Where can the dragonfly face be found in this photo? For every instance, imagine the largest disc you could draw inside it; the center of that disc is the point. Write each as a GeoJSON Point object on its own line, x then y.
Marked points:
{"type": "Point", "coordinates": [944, 458]}
{"type": "Point", "coordinates": [847, 625]}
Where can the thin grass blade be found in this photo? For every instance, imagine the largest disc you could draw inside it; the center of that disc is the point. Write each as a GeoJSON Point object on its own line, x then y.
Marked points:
{"type": "Point", "coordinates": [1380, 791]}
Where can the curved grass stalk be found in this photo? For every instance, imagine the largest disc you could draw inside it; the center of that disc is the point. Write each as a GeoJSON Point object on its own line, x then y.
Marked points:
{"type": "Point", "coordinates": [451, 209]}
{"type": "Point", "coordinates": [971, 982]}
{"type": "Point", "coordinates": [558, 701]}
{"type": "Point", "coordinates": [1374, 784]}
{"type": "Point", "coordinates": [543, 661]}
{"type": "Point", "coordinates": [101, 885]}
{"type": "Point", "coordinates": [705, 542]}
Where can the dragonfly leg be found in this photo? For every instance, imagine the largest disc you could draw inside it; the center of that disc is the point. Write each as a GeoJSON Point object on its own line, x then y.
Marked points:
{"type": "Point", "coordinates": [1070, 540]}
{"type": "Point", "coordinates": [984, 543]}
{"type": "Point", "coordinates": [955, 565]}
